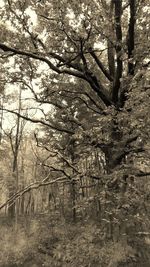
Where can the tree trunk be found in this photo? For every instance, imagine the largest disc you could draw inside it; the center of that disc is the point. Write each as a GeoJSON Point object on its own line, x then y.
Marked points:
{"type": "Point", "coordinates": [13, 207]}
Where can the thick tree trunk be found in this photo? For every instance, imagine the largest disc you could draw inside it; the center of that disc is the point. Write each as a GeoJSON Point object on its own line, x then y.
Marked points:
{"type": "Point", "coordinates": [131, 36]}
{"type": "Point", "coordinates": [119, 67]}
{"type": "Point", "coordinates": [110, 43]}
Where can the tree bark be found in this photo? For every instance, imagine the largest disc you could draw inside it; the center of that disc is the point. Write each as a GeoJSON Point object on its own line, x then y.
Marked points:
{"type": "Point", "coordinates": [119, 68]}
{"type": "Point", "coordinates": [13, 208]}
{"type": "Point", "coordinates": [110, 43]}
{"type": "Point", "coordinates": [131, 36]}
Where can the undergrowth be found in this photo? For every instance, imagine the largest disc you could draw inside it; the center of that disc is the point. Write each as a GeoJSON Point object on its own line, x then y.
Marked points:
{"type": "Point", "coordinates": [50, 242]}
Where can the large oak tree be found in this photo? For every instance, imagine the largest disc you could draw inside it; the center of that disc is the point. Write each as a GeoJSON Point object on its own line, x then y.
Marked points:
{"type": "Point", "coordinates": [90, 61]}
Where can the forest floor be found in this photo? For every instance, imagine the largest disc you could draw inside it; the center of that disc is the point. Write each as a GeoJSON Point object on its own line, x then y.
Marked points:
{"type": "Point", "coordinates": [48, 241]}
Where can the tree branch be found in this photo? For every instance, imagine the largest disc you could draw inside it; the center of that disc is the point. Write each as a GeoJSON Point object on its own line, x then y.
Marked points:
{"type": "Point", "coordinates": [88, 76]}
{"type": "Point", "coordinates": [100, 65]}
{"type": "Point", "coordinates": [30, 187]}
{"type": "Point", "coordinates": [98, 88]}
{"type": "Point", "coordinates": [37, 56]}
{"type": "Point", "coordinates": [40, 121]}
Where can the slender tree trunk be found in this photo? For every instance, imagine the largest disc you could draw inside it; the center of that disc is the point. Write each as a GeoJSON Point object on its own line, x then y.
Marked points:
{"type": "Point", "coordinates": [13, 208]}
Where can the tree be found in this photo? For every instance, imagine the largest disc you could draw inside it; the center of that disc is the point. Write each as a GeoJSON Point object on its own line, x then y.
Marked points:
{"type": "Point", "coordinates": [92, 68]}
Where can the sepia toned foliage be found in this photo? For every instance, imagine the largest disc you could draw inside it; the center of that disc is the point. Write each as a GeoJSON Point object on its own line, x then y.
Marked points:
{"type": "Point", "coordinates": [86, 65]}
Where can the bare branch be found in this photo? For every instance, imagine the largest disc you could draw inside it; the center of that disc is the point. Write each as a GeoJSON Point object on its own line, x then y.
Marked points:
{"type": "Point", "coordinates": [41, 122]}
{"type": "Point", "coordinates": [32, 186]}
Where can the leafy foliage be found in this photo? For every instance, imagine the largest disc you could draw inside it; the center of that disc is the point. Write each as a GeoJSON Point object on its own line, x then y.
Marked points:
{"type": "Point", "coordinates": [87, 66]}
